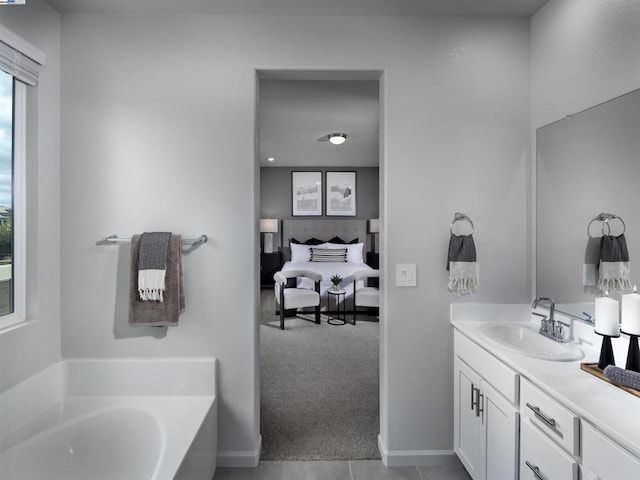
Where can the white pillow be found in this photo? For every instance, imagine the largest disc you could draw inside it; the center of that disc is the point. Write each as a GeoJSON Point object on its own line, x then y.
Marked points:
{"type": "Point", "coordinates": [354, 251]}
{"type": "Point", "coordinates": [301, 252]}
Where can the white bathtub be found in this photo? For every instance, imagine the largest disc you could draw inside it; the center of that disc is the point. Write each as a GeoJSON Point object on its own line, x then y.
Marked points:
{"type": "Point", "coordinates": [112, 419]}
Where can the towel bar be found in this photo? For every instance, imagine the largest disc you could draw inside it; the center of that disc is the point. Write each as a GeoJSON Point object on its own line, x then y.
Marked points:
{"type": "Point", "coordinates": [114, 239]}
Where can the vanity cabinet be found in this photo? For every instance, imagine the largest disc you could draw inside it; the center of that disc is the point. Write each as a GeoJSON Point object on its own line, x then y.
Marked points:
{"type": "Point", "coordinates": [541, 458]}
{"type": "Point", "coordinates": [559, 424]}
{"type": "Point", "coordinates": [510, 422]}
{"type": "Point", "coordinates": [486, 419]}
{"type": "Point", "coordinates": [602, 459]}
{"type": "Point", "coordinates": [549, 437]}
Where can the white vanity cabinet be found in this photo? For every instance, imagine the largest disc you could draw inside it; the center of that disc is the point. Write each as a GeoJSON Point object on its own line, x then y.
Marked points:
{"type": "Point", "coordinates": [549, 437]}
{"type": "Point", "coordinates": [602, 459]}
{"type": "Point", "coordinates": [486, 418]}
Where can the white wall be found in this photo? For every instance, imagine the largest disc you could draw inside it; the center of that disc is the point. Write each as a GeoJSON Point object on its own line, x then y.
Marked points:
{"type": "Point", "coordinates": [31, 347]}
{"type": "Point", "coordinates": [158, 133]}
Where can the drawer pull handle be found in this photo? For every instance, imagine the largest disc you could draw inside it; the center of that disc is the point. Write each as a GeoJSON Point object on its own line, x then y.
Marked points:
{"type": "Point", "coordinates": [549, 421]}
{"type": "Point", "coordinates": [473, 403]}
{"type": "Point", "coordinates": [536, 471]}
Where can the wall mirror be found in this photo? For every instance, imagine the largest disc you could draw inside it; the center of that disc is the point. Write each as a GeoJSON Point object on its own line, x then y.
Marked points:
{"type": "Point", "coordinates": [587, 163]}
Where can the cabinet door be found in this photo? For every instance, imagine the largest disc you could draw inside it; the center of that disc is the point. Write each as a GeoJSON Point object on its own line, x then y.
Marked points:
{"type": "Point", "coordinates": [605, 459]}
{"type": "Point", "coordinates": [501, 434]}
{"type": "Point", "coordinates": [467, 422]}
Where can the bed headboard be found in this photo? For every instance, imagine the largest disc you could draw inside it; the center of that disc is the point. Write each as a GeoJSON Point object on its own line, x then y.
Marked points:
{"type": "Point", "coordinates": [323, 229]}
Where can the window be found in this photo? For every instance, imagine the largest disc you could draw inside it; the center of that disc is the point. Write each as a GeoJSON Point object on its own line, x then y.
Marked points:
{"type": "Point", "coordinates": [6, 194]}
{"type": "Point", "coordinates": [20, 64]}
{"type": "Point", "coordinates": [12, 105]}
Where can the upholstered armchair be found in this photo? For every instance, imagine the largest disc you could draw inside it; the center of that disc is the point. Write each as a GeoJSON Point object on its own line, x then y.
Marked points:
{"type": "Point", "coordinates": [365, 296]}
{"type": "Point", "coordinates": [294, 297]}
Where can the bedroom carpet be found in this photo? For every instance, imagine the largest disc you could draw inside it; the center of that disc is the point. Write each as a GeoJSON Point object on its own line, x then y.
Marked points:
{"type": "Point", "coordinates": [318, 388]}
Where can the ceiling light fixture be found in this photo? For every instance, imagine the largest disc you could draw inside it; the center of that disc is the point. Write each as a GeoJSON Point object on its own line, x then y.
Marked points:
{"type": "Point", "coordinates": [271, 159]}
{"type": "Point", "coordinates": [337, 138]}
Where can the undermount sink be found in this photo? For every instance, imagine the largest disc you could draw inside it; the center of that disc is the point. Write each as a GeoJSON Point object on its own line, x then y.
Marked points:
{"type": "Point", "coordinates": [527, 341]}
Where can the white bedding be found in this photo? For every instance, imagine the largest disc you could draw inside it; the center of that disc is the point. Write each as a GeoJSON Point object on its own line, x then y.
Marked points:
{"type": "Point", "coordinates": [327, 270]}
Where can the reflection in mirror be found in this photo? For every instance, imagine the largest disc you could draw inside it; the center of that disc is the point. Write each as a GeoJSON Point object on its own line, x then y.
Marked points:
{"type": "Point", "coordinates": [588, 164]}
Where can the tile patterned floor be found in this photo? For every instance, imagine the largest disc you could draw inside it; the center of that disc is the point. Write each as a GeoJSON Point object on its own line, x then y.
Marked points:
{"type": "Point", "coordinates": [339, 470]}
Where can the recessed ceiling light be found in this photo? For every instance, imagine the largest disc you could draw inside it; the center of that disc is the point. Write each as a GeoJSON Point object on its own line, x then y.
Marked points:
{"type": "Point", "coordinates": [337, 138]}
{"type": "Point", "coordinates": [271, 159]}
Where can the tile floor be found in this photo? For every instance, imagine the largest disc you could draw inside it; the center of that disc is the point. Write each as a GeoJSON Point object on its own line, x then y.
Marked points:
{"type": "Point", "coordinates": [339, 470]}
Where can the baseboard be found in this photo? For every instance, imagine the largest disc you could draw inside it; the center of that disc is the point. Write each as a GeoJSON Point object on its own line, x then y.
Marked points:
{"type": "Point", "coordinates": [239, 459]}
{"type": "Point", "coordinates": [409, 458]}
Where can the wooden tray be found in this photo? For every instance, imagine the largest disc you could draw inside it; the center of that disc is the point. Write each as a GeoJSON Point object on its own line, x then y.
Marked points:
{"type": "Point", "coordinates": [593, 369]}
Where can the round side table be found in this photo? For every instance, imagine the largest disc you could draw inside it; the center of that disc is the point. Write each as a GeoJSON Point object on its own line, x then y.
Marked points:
{"type": "Point", "coordinates": [341, 313]}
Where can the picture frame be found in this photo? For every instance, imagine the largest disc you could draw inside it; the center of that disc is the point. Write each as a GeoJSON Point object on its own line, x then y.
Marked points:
{"type": "Point", "coordinates": [341, 194]}
{"type": "Point", "coordinates": [306, 194]}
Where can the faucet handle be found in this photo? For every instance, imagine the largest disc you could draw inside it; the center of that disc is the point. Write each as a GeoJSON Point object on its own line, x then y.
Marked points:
{"type": "Point", "coordinates": [543, 321]}
{"type": "Point", "coordinates": [559, 332]}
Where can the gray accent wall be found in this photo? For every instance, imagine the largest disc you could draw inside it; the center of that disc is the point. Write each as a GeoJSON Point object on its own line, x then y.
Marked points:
{"type": "Point", "coordinates": [275, 193]}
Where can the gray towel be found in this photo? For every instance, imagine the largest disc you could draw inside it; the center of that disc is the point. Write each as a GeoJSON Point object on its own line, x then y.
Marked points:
{"type": "Point", "coordinates": [619, 376]}
{"type": "Point", "coordinates": [462, 266]}
{"type": "Point", "coordinates": [158, 314]}
{"type": "Point", "coordinates": [152, 265]}
{"type": "Point", "coordinates": [614, 270]}
{"type": "Point", "coordinates": [462, 248]}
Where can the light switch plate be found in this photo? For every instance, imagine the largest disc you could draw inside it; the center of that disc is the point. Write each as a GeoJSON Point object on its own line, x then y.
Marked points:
{"type": "Point", "coordinates": [406, 275]}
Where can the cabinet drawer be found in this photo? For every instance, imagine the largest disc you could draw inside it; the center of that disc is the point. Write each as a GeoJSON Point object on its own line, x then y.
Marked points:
{"type": "Point", "coordinates": [605, 458]}
{"type": "Point", "coordinates": [550, 417]}
{"type": "Point", "coordinates": [542, 459]}
{"type": "Point", "coordinates": [501, 377]}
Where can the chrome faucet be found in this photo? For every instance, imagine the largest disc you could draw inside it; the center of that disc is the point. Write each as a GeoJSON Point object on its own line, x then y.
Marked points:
{"type": "Point", "coordinates": [550, 327]}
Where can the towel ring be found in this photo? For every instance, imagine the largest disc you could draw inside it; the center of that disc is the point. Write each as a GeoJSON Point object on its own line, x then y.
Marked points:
{"type": "Point", "coordinates": [457, 217]}
{"type": "Point", "coordinates": [604, 218]}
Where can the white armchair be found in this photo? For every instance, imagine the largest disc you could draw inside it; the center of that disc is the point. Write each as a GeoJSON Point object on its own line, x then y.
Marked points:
{"type": "Point", "coordinates": [293, 297]}
{"type": "Point", "coordinates": [365, 296]}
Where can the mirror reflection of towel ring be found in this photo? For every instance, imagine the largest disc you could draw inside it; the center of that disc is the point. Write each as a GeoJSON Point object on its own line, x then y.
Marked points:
{"type": "Point", "coordinates": [604, 218]}
{"type": "Point", "coordinates": [457, 217]}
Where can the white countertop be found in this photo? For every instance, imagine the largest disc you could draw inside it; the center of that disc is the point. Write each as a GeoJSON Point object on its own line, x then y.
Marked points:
{"type": "Point", "coordinates": [611, 410]}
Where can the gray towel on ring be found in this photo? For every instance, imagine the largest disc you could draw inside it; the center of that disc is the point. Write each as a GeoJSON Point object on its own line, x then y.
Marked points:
{"type": "Point", "coordinates": [461, 249]}
{"type": "Point", "coordinates": [462, 265]}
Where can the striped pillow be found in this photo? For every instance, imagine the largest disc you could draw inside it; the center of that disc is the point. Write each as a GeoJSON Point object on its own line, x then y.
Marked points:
{"type": "Point", "coordinates": [328, 255]}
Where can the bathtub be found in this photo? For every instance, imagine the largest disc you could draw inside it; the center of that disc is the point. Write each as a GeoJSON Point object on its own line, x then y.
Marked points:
{"type": "Point", "coordinates": [112, 419]}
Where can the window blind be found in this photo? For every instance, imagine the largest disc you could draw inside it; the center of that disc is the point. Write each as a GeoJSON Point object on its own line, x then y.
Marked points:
{"type": "Point", "coordinates": [19, 65]}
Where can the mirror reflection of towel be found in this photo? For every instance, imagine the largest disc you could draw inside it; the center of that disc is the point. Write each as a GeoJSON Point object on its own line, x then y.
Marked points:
{"type": "Point", "coordinates": [155, 313]}
{"type": "Point", "coordinates": [614, 269]}
{"type": "Point", "coordinates": [591, 262]}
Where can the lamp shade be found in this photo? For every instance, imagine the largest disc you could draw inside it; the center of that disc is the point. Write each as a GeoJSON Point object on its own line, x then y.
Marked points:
{"type": "Point", "coordinates": [374, 225]}
{"type": "Point", "coordinates": [268, 225]}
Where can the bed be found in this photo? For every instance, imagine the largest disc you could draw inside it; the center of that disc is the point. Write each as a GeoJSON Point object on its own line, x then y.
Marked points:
{"type": "Point", "coordinates": [301, 237]}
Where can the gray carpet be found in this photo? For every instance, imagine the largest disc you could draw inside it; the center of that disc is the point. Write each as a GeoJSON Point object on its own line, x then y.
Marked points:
{"type": "Point", "coordinates": [319, 388]}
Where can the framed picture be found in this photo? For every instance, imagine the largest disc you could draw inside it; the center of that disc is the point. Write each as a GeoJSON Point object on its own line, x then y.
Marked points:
{"type": "Point", "coordinates": [341, 194]}
{"type": "Point", "coordinates": [306, 194]}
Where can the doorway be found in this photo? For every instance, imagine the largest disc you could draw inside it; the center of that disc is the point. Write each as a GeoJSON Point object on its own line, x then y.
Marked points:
{"type": "Point", "coordinates": [319, 395]}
